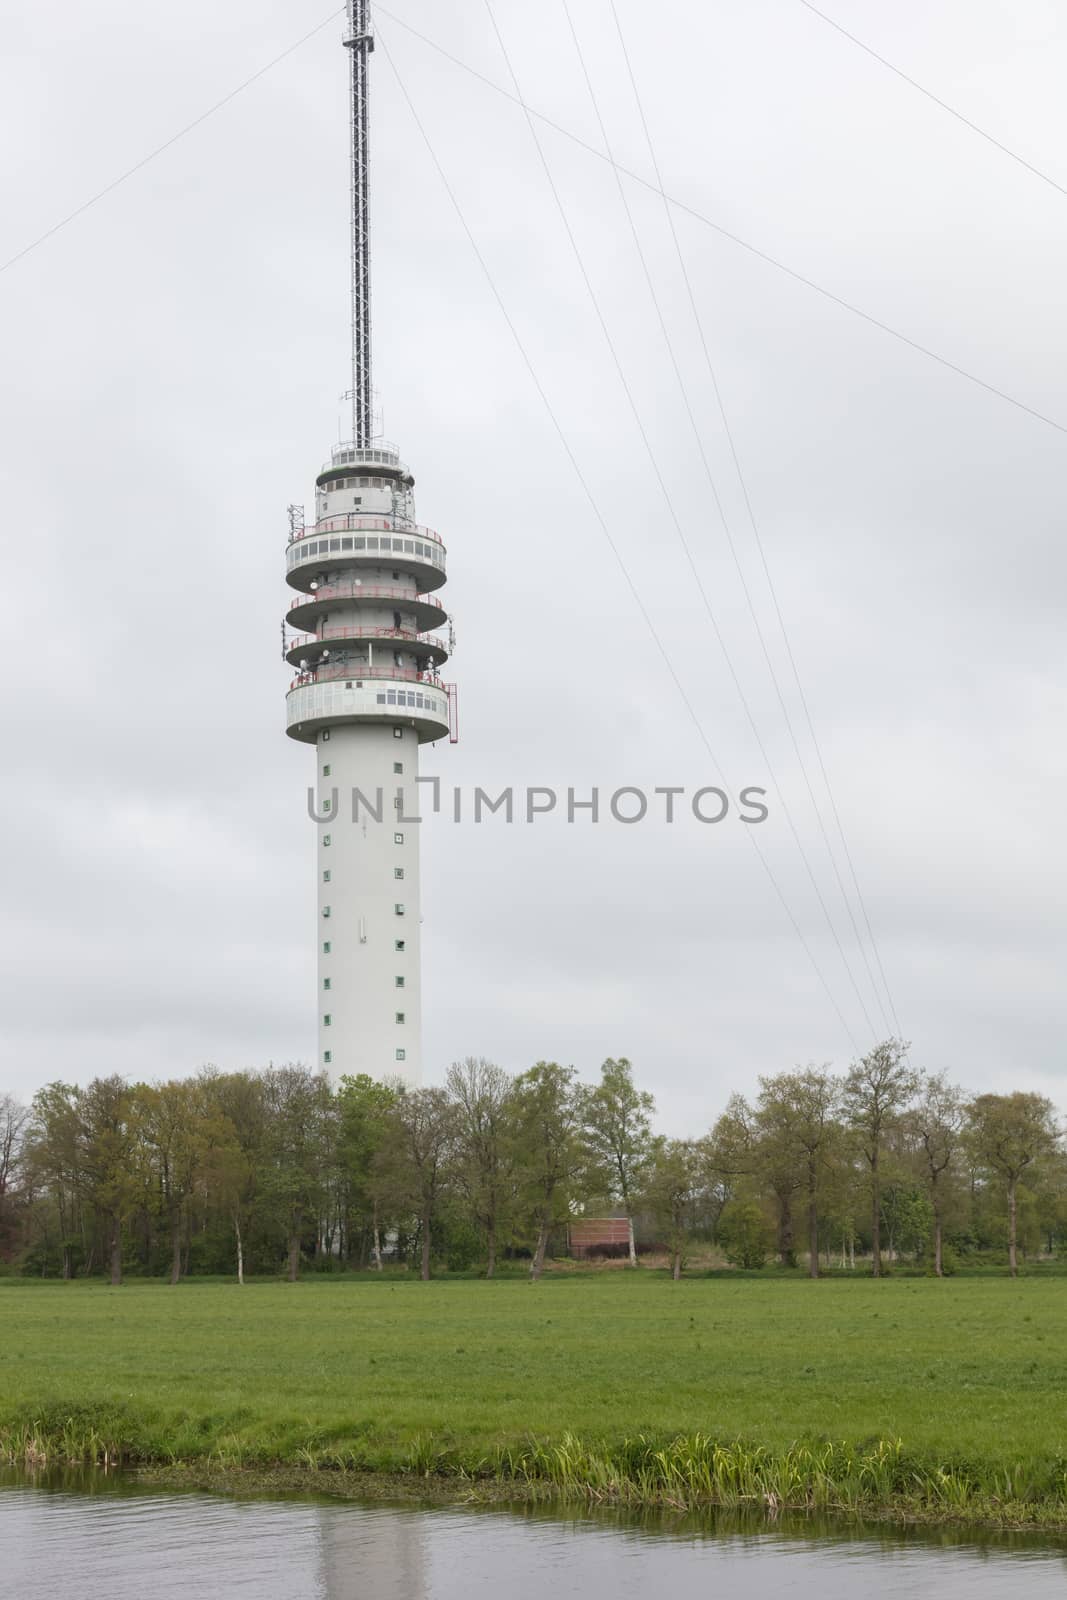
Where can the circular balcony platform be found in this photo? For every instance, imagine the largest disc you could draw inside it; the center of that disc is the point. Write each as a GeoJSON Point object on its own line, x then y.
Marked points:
{"type": "Point", "coordinates": [311, 645]}
{"type": "Point", "coordinates": [350, 539]}
{"type": "Point", "coordinates": [314, 703]}
{"type": "Point", "coordinates": [425, 612]}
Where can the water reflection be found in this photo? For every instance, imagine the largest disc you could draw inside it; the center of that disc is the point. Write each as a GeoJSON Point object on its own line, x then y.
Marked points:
{"type": "Point", "coordinates": [69, 1536]}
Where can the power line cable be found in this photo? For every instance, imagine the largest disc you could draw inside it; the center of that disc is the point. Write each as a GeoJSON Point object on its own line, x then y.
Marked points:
{"type": "Point", "coordinates": [726, 233]}
{"type": "Point", "coordinates": [751, 514]}
{"type": "Point", "coordinates": [698, 437]}
{"type": "Point", "coordinates": [675, 520]}
{"type": "Point", "coordinates": [602, 521]}
{"type": "Point", "coordinates": [166, 145]}
{"type": "Point", "coordinates": [982, 133]}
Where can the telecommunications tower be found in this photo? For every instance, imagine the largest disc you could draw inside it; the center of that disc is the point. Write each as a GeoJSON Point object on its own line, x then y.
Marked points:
{"type": "Point", "coordinates": [367, 692]}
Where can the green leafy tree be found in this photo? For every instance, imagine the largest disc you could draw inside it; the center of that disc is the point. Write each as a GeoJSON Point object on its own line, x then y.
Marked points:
{"type": "Point", "coordinates": [364, 1107]}
{"type": "Point", "coordinates": [299, 1108]}
{"type": "Point", "coordinates": [1010, 1135]}
{"type": "Point", "coordinates": [877, 1091]}
{"type": "Point", "coordinates": [934, 1129]}
{"type": "Point", "coordinates": [618, 1131]}
{"type": "Point", "coordinates": [745, 1234]}
{"type": "Point", "coordinates": [415, 1159]}
{"type": "Point", "coordinates": [484, 1097]}
{"type": "Point", "coordinates": [550, 1157]}
{"type": "Point", "coordinates": [796, 1129]}
{"type": "Point", "coordinates": [674, 1183]}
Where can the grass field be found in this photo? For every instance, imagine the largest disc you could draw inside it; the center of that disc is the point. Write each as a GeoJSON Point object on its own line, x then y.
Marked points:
{"type": "Point", "coordinates": [969, 1374]}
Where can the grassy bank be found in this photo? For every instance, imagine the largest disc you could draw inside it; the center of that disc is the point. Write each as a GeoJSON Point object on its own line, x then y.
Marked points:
{"type": "Point", "coordinates": [932, 1400]}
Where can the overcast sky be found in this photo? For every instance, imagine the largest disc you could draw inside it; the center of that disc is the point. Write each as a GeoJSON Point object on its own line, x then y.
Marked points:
{"type": "Point", "coordinates": [173, 360]}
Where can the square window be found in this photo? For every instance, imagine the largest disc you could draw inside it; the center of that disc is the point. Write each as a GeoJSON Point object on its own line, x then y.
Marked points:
{"type": "Point", "coordinates": [326, 841]}
{"type": "Point", "coordinates": [399, 981]}
{"type": "Point", "coordinates": [401, 1055]}
{"type": "Point", "coordinates": [327, 983]}
{"type": "Point", "coordinates": [398, 766]}
{"type": "Point", "coordinates": [398, 838]}
{"type": "Point", "coordinates": [398, 733]}
{"type": "Point", "coordinates": [398, 909]}
{"type": "Point", "coordinates": [327, 1020]}
{"type": "Point", "coordinates": [326, 875]}
{"type": "Point", "coordinates": [326, 770]}
{"type": "Point", "coordinates": [326, 947]}
{"type": "Point", "coordinates": [398, 872]}
{"type": "Point", "coordinates": [400, 944]}
{"type": "Point", "coordinates": [400, 1016]}
{"type": "Point", "coordinates": [380, 698]}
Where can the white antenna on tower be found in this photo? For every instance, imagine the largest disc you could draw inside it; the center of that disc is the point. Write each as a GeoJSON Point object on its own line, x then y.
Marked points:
{"type": "Point", "coordinates": [360, 43]}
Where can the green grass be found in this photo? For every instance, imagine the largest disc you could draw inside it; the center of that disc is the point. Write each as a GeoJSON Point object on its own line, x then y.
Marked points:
{"type": "Point", "coordinates": [943, 1398]}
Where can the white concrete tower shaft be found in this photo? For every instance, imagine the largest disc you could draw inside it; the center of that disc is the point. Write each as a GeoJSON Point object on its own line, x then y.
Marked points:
{"type": "Point", "coordinates": [367, 694]}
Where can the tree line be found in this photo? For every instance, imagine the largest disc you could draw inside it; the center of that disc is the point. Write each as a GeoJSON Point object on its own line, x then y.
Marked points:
{"type": "Point", "coordinates": [259, 1171]}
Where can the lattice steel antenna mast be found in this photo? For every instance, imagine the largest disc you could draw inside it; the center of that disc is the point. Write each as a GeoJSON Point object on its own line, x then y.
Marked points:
{"type": "Point", "coordinates": [360, 43]}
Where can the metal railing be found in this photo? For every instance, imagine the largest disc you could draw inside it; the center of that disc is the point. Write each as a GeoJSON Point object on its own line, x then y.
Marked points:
{"type": "Point", "coordinates": [357, 522]}
{"type": "Point", "coordinates": [364, 591]}
{"type": "Point", "coordinates": [366, 674]}
{"type": "Point", "coordinates": [307, 641]}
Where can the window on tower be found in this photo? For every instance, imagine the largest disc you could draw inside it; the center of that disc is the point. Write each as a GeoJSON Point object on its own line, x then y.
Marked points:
{"type": "Point", "coordinates": [327, 1020]}
{"type": "Point", "coordinates": [401, 1055]}
{"type": "Point", "coordinates": [400, 944]}
{"type": "Point", "coordinates": [399, 981]}
{"type": "Point", "coordinates": [398, 909]}
{"type": "Point", "coordinates": [398, 872]}
{"type": "Point", "coordinates": [400, 1016]}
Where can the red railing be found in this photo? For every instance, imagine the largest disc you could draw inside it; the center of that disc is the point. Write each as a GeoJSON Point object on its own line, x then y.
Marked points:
{"type": "Point", "coordinates": [364, 591]}
{"type": "Point", "coordinates": [397, 635]}
{"type": "Point", "coordinates": [364, 673]}
{"type": "Point", "coordinates": [356, 522]}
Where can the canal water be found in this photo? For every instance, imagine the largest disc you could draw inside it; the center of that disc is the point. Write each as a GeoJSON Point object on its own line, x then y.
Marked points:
{"type": "Point", "coordinates": [61, 1540]}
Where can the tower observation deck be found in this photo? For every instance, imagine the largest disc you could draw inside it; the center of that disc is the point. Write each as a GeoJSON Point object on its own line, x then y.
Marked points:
{"type": "Point", "coordinates": [367, 693]}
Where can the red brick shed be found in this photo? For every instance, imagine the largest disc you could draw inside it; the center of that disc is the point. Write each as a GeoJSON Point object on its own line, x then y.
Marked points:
{"type": "Point", "coordinates": [589, 1231]}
